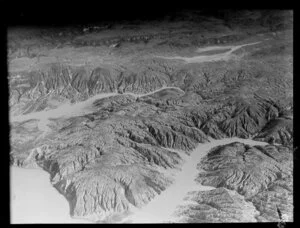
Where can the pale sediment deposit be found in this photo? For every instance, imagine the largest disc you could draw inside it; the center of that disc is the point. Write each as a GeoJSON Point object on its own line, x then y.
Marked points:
{"type": "Point", "coordinates": [162, 208]}
{"type": "Point", "coordinates": [154, 122]}
{"type": "Point", "coordinates": [35, 200]}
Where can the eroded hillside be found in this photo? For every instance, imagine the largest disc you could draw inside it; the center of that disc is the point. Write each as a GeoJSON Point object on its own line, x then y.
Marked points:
{"type": "Point", "coordinates": [119, 151]}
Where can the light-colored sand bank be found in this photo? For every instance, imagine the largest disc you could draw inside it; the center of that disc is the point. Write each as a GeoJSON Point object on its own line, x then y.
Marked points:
{"type": "Point", "coordinates": [223, 56]}
{"type": "Point", "coordinates": [35, 200]}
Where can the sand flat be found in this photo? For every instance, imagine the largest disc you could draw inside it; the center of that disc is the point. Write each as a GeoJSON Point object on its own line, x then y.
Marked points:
{"type": "Point", "coordinates": [35, 200]}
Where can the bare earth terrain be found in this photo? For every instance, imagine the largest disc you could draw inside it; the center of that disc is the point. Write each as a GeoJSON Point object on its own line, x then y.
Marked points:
{"type": "Point", "coordinates": [185, 121]}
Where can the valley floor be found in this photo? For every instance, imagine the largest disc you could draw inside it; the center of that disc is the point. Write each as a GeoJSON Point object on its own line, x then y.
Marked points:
{"type": "Point", "coordinates": [34, 200]}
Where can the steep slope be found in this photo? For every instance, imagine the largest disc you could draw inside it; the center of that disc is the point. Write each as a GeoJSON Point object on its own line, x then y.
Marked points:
{"type": "Point", "coordinates": [216, 206]}
{"type": "Point", "coordinates": [121, 151]}
{"type": "Point", "coordinates": [262, 174]}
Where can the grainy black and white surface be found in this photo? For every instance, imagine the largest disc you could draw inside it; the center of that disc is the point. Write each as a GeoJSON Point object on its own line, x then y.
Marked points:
{"type": "Point", "coordinates": [185, 118]}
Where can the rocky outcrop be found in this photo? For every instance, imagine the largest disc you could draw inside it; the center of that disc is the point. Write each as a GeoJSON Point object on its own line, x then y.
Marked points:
{"type": "Point", "coordinates": [116, 161]}
{"type": "Point", "coordinates": [278, 131]}
{"type": "Point", "coordinates": [245, 169]}
{"type": "Point", "coordinates": [121, 153]}
{"type": "Point", "coordinates": [216, 206]}
{"type": "Point", "coordinates": [124, 133]}
{"type": "Point", "coordinates": [262, 174]}
{"type": "Point", "coordinates": [34, 91]}
{"type": "Point", "coordinates": [275, 203]}
{"type": "Point", "coordinates": [104, 191]}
